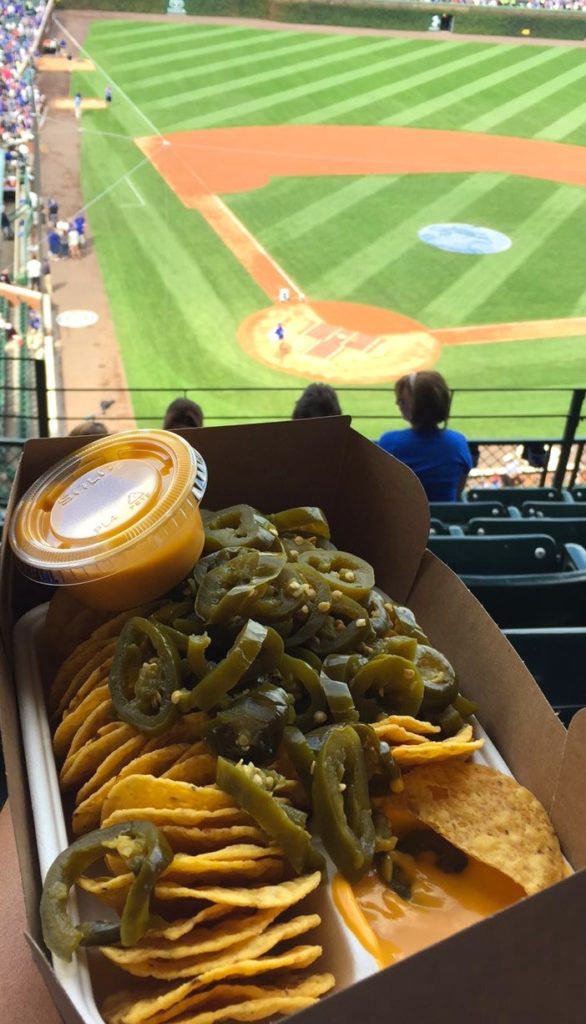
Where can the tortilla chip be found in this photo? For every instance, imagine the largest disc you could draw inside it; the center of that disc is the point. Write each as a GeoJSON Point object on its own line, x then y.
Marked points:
{"type": "Point", "coordinates": [183, 817]}
{"type": "Point", "coordinates": [459, 746]}
{"type": "Point", "coordinates": [407, 722]}
{"type": "Point", "coordinates": [200, 840]}
{"type": "Point", "coordinates": [392, 733]}
{"type": "Point", "coordinates": [188, 967]}
{"type": "Point", "coordinates": [84, 762]}
{"type": "Point", "coordinates": [235, 999]}
{"type": "Point", "coordinates": [84, 680]}
{"type": "Point", "coordinates": [489, 816]}
{"type": "Point", "coordinates": [200, 939]}
{"type": "Point", "coordinates": [200, 770]}
{"type": "Point", "coordinates": [87, 815]}
{"type": "Point", "coordinates": [284, 895]}
{"type": "Point", "coordinates": [83, 723]}
{"type": "Point", "coordinates": [176, 929]}
{"type": "Point", "coordinates": [111, 765]}
{"type": "Point", "coordinates": [148, 791]}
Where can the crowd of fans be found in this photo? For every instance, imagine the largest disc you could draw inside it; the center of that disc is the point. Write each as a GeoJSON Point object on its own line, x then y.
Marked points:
{"type": "Point", "coordinates": [538, 5]}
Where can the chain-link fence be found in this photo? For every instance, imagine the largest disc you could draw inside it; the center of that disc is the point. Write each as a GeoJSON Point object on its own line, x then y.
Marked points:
{"type": "Point", "coordinates": [10, 452]}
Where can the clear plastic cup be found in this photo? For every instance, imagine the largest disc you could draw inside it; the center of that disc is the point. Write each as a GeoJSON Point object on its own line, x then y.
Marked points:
{"type": "Point", "coordinates": [119, 520]}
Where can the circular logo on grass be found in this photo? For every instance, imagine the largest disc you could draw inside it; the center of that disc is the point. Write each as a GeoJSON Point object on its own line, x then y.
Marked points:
{"type": "Point", "coordinates": [77, 318]}
{"type": "Point", "coordinates": [465, 238]}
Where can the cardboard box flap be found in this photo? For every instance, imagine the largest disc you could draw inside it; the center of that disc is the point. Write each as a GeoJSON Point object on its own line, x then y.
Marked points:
{"type": "Point", "coordinates": [522, 966]}
{"type": "Point", "coordinates": [529, 735]}
{"type": "Point", "coordinates": [568, 810]}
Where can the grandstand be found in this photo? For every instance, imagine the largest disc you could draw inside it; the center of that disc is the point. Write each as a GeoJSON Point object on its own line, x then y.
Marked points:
{"type": "Point", "coordinates": [528, 440]}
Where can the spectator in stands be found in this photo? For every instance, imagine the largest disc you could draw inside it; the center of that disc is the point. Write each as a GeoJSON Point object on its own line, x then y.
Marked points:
{"type": "Point", "coordinates": [317, 400]}
{"type": "Point", "coordinates": [90, 427]}
{"type": "Point", "coordinates": [73, 241]}
{"type": "Point", "coordinates": [181, 413]}
{"type": "Point", "coordinates": [53, 210]}
{"type": "Point", "coordinates": [439, 457]}
{"type": "Point", "coordinates": [34, 270]}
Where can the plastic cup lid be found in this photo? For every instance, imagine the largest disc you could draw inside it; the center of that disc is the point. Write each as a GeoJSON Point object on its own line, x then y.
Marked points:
{"type": "Point", "coordinates": [91, 507]}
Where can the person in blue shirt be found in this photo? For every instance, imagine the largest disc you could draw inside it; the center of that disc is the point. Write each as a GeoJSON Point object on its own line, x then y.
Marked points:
{"type": "Point", "coordinates": [440, 457]}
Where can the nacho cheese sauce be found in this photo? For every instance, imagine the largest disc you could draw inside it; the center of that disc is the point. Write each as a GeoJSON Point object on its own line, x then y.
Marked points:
{"type": "Point", "coordinates": [119, 519]}
{"type": "Point", "coordinates": [391, 928]}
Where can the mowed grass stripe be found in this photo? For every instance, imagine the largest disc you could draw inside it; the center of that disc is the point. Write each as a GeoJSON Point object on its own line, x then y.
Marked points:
{"type": "Point", "coordinates": [379, 93]}
{"type": "Point", "coordinates": [499, 114]}
{"type": "Point", "coordinates": [282, 71]}
{"type": "Point", "coordinates": [142, 86]}
{"type": "Point", "coordinates": [396, 239]}
{"type": "Point", "coordinates": [314, 216]}
{"type": "Point", "coordinates": [564, 125]}
{"type": "Point", "coordinates": [473, 287]}
{"type": "Point", "coordinates": [424, 110]}
{"type": "Point", "coordinates": [192, 45]}
{"type": "Point", "coordinates": [170, 40]}
{"type": "Point", "coordinates": [283, 97]}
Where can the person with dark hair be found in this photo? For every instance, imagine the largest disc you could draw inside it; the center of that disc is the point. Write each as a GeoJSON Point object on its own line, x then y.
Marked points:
{"type": "Point", "coordinates": [440, 457]}
{"type": "Point", "coordinates": [317, 400]}
{"type": "Point", "coordinates": [90, 427]}
{"type": "Point", "coordinates": [181, 413]}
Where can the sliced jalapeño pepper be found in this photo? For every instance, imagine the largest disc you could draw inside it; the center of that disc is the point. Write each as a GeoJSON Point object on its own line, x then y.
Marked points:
{"type": "Point", "coordinates": [439, 679]}
{"type": "Point", "coordinates": [141, 688]}
{"type": "Point", "coordinates": [230, 589]}
{"type": "Point", "coordinates": [394, 682]}
{"type": "Point", "coordinates": [246, 785]}
{"type": "Point", "coordinates": [342, 571]}
{"type": "Point", "coordinates": [211, 690]}
{"type": "Point", "coordinates": [339, 699]}
{"type": "Point", "coordinates": [238, 526]}
{"type": "Point", "coordinates": [252, 726]}
{"type": "Point", "coordinates": [307, 520]}
{"type": "Point", "coordinates": [139, 842]}
{"type": "Point", "coordinates": [342, 804]}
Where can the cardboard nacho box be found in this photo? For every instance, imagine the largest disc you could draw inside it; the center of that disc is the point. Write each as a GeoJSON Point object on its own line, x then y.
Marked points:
{"type": "Point", "coordinates": [522, 966]}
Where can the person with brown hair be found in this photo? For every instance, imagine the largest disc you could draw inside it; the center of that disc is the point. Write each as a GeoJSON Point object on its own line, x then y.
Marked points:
{"type": "Point", "coordinates": [440, 457]}
{"type": "Point", "coordinates": [89, 427]}
{"type": "Point", "coordinates": [181, 413]}
{"type": "Point", "coordinates": [317, 400]}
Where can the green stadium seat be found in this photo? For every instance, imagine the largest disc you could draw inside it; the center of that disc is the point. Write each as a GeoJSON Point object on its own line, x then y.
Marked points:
{"type": "Point", "coordinates": [553, 509]}
{"type": "Point", "coordinates": [499, 555]}
{"type": "Point", "coordinates": [556, 659]}
{"type": "Point", "coordinates": [561, 530]}
{"type": "Point", "coordinates": [459, 512]}
{"type": "Point", "coordinates": [578, 493]}
{"type": "Point", "coordinates": [514, 495]}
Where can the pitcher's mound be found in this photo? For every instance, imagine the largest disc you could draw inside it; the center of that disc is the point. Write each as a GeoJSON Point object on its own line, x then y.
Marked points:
{"type": "Point", "coordinates": [340, 342]}
{"type": "Point", "coordinates": [66, 103]}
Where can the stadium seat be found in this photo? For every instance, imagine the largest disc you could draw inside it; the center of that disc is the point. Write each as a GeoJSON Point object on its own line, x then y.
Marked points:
{"type": "Point", "coordinates": [499, 555]}
{"type": "Point", "coordinates": [556, 659]}
{"type": "Point", "coordinates": [561, 530]}
{"type": "Point", "coordinates": [514, 495]}
{"type": "Point", "coordinates": [578, 493]}
{"type": "Point", "coordinates": [554, 509]}
{"type": "Point", "coordinates": [459, 512]}
{"type": "Point", "coordinates": [437, 528]}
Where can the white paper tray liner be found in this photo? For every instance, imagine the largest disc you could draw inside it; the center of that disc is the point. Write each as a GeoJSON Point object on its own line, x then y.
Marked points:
{"type": "Point", "coordinates": [343, 955]}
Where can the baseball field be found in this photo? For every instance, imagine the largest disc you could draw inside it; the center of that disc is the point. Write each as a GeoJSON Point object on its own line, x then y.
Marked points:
{"type": "Point", "coordinates": [233, 162]}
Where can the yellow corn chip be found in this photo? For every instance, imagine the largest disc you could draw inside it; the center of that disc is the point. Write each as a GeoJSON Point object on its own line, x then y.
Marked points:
{"type": "Point", "coordinates": [200, 840]}
{"type": "Point", "coordinates": [176, 929]}
{"type": "Point", "coordinates": [81, 725]}
{"type": "Point", "coordinates": [200, 770]}
{"type": "Point", "coordinates": [148, 791]}
{"type": "Point", "coordinates": [181, 816]}
{"type": "Point", "coordinates": [188, 967]}
{"type": "Point", "coordinates": [407, 722]}
{"type": "Point", "coordinates": [109, 767]}
{"type": "Point", "coordinates": [490, 817]}
{"type": "Point", "coordinates": [87, 815]}
{"type": "Point", "coordinates": [124, 1009]}
{"type": "Point", "coordinates": [425, 753]}
{"type": "Point", "coordinates": [83, 763]}
{"type": "Point", "coordinates": [284, 895]}
{"type": "Point", "coordinates": [397, 734]}
{"type": "Point", "coordinates": [200, 940]}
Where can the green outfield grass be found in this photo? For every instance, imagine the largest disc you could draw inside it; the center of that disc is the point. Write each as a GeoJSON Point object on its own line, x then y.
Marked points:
{"type": "Point", "coordinates": [177, 295]}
